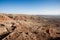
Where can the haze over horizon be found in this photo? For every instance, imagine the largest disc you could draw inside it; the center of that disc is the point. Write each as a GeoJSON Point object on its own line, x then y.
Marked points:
{"type": "Point", "coordinates": [34, 7]}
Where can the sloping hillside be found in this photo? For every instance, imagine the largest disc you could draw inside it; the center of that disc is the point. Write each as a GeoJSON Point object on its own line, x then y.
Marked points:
{"type": "Point", "coordinates": [29, 27]}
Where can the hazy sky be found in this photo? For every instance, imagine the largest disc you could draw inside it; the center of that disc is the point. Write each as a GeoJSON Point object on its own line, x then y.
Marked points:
{"type": "Point", "coordinates": [39, 7]}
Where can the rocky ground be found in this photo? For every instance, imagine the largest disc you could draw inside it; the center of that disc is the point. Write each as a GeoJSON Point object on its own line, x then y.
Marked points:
{"type": "Point", "coordinates": [29, 27]}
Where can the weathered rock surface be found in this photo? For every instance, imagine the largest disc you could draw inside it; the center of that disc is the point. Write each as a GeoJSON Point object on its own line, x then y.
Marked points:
{"type": "Point", "coordinates": [28, 27]}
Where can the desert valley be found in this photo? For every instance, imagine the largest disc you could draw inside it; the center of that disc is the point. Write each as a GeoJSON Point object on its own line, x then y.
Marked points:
{"type": "Point", "coordinates": [29, 27]}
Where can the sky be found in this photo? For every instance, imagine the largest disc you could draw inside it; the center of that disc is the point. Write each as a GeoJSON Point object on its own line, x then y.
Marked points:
{"type": "Point", "coordinates": [33, 7]}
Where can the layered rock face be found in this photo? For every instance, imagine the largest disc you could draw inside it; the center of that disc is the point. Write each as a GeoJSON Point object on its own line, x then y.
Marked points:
{"type": "Point", "coordinates": [29, 27]}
